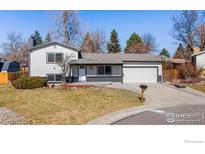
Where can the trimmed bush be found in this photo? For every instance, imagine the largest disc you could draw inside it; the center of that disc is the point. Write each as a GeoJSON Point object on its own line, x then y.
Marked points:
{"type": "Point", "coordinates": [25, 82]}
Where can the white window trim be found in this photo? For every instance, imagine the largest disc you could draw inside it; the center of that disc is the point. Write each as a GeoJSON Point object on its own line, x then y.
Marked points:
{"type": "Point", "coordinates": [54, 57]}
{"type": "Point", "coordinates": [54, 77]}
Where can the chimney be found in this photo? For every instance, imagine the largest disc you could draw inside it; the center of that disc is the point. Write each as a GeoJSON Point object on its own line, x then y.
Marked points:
{"type": "Point", "coordinates": [30, 43]}
{"type": "Point", "coordinates": [196, 50]}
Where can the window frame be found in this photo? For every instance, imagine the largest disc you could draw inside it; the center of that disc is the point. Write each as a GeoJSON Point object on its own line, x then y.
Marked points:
{"type": "Point", "coordinates": [47, 62]}
{"type": "Point", "coordinates": [55, 77]}
{"type": "Point", "coordinates": [104, 66]}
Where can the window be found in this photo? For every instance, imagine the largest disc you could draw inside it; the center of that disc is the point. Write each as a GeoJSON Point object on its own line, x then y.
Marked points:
{"type": "Point", "coordinates": [59, 77]}
{"type": "Point", "coordinates": [59, 57]}
{"type": "Point", "coordinates": [101, 70]}
{"type": "Point", "coordinates": [108, 70]}
{"type": "Point", "coordinates": [104, 70]}
{"type": "Point", "coordinates": [51, 57]}
{"type": "Point", "coordinates": [54, 77]}
{"type": "Point", "coordinates": [51, 77]}
{"type": "Point", "coordinates": [82, 67]}
{"type": "Point", "coordinates": [54, 57]}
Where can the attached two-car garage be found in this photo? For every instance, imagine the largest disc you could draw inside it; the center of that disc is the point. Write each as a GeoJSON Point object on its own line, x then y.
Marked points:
{"type": "Point", "coordinates": [140, 74]}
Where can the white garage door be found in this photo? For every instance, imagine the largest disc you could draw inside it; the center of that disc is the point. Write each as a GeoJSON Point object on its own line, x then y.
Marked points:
{"type": "Point", "coordinates": [140, 74]}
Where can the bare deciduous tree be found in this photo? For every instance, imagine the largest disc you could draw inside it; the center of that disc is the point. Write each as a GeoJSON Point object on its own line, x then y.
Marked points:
{"type": "Point", "coordinates": [150, 43]}
{"type": "Point", "coordinates": [16, 49]}
{"type": "Point", "coordinates": [24, 55]}
{"type": "Point", "coordinates": [68, 27]}
{"type": "Point", "coordinates": [199, 35]}
{"type": "Point", "coordinates": [65, 66]}
{"type": "Point", "coordinates": [94, 42]}
{"type": "Point", "coordinates": [184, 26]}
{"type": "Point", "coordinates": [99, 40]}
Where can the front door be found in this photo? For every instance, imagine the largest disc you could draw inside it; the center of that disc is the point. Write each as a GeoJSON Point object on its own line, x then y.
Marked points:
{"type": "Point", "coordinates": [82, 76]}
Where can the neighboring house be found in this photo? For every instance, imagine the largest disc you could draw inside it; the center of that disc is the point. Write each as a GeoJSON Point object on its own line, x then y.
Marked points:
{"type": "Point", "coordinates": [9, 66]}
{"type": "Point", "coordinates": [198, 59]}
{"type": "Point", "coordinates": [124, 68]}
{"type": "Point", "coordinates": [173, 63]}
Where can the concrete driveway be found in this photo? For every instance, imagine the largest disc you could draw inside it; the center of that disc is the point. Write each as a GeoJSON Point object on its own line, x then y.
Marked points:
{"type": "Point", "coordinates": [157, 96]}
{"type": "Point", "coordinates": [163, 94]}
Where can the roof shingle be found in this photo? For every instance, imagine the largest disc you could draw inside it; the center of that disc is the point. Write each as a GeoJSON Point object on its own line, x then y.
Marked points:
{"type": "Point", "coordinates": [93, 58]}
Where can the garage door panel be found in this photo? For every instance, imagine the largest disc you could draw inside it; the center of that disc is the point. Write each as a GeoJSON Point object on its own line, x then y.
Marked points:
{"type": "Point", "coordinates": [140, 74]}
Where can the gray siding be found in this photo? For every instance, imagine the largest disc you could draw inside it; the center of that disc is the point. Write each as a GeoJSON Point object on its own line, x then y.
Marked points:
{"type": "Point", "coordinates": [104, 79]}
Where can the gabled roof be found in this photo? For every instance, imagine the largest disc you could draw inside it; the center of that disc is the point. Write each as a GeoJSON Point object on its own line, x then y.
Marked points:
{"type": "Point", "coordinates": [6, 64]}
{"type": "Point", "coordinates": [199, 53]}
{"type": "Point", "coordinates": [93, 58]}
{"type": "Point", "coordinates": [53, 43]}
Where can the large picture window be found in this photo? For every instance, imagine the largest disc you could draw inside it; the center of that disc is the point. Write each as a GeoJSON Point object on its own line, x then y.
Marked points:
{"type": "Point", "coordinates": [104, 70]}
{"type": "Point", "coordinates": [54, 77]}
{"type": "Point", "coordinates": [54, 57]}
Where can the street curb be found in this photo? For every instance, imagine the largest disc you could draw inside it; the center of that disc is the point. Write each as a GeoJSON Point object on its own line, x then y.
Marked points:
{"type": "Point", "coordinates": [119, 115]}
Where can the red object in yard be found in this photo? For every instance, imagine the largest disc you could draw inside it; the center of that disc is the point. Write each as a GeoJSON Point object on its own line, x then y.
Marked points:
{"type": "Point", "coordinates": [69, 86]}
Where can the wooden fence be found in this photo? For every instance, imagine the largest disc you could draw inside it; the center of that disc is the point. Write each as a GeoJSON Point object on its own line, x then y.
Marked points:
{"type": "Point", "coordinates": [171, 75]}
{"type": "Point", "coordinates": [6, 77]}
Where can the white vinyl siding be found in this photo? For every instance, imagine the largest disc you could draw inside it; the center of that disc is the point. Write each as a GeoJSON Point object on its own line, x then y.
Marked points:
{"type": "Point", "coordinates": [200, 61]}
{"type": "Point", "coordinates": [38, 60]}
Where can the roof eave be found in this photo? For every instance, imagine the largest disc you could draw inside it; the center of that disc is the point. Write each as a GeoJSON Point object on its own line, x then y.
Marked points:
{"type": "Point", "coordinates": [199, 53]}
{"type": "Point", "coordinates": [52, 43]}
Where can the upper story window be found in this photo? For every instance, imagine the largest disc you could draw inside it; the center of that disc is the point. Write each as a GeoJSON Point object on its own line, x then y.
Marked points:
{"type": "Point", "coordinates": [54, 57]}
{"type": "Point", "coordinates": [104, 70]}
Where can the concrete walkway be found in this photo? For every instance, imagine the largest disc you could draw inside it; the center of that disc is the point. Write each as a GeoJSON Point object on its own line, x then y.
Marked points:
{"type": "Point", "coordinates": [157, 96]}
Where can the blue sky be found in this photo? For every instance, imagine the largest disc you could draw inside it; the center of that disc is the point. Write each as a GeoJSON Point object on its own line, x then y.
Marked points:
{"type": "Point", "coordinates": [158, 23]}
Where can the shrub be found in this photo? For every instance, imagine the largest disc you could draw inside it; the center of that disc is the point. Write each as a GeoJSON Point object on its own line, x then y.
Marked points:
{"type": "Point", "coordinates": [25, 82]}
{"type": "Point", "coordinates": [188, 71]}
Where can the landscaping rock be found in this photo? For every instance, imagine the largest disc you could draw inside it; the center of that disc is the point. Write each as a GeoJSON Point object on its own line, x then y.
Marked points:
{"type": "Point", "coordinates": [8, 117]}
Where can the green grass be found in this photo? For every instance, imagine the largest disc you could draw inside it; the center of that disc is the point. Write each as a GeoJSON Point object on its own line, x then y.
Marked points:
{"type": "Point", "coordinates": [58, 106]}
{"type": "Point", "coordinates": [199, 87]}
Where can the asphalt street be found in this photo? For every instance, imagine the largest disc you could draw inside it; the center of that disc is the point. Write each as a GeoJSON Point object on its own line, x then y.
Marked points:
{"type": "Point", "coordinates": [179, 115]}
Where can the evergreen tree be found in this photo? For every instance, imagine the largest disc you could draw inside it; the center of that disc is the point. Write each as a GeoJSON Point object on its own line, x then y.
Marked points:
{"type": "Point", "coordinates": [87, 45]}
{"type": "Point", "coordinates": [164, 52]}
{"type": "Point", "coordinates": [133, 41]}
{"type": "Point", "coordinates": [183, 53]}
{"type": "Point", "coordinates": [48, 38]}
{"type": "Point", "coordinates": [180, 52]}
{"type": "Point", "coordinates": [113, 45]}
{"type": "Point", "coordinates": [37, 39]}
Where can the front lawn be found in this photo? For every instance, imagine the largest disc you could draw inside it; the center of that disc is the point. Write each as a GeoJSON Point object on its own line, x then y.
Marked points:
{"type": "Point", "coordinates": [58, 106]}
{"type": "Point", "coordinates": [200, 87]}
